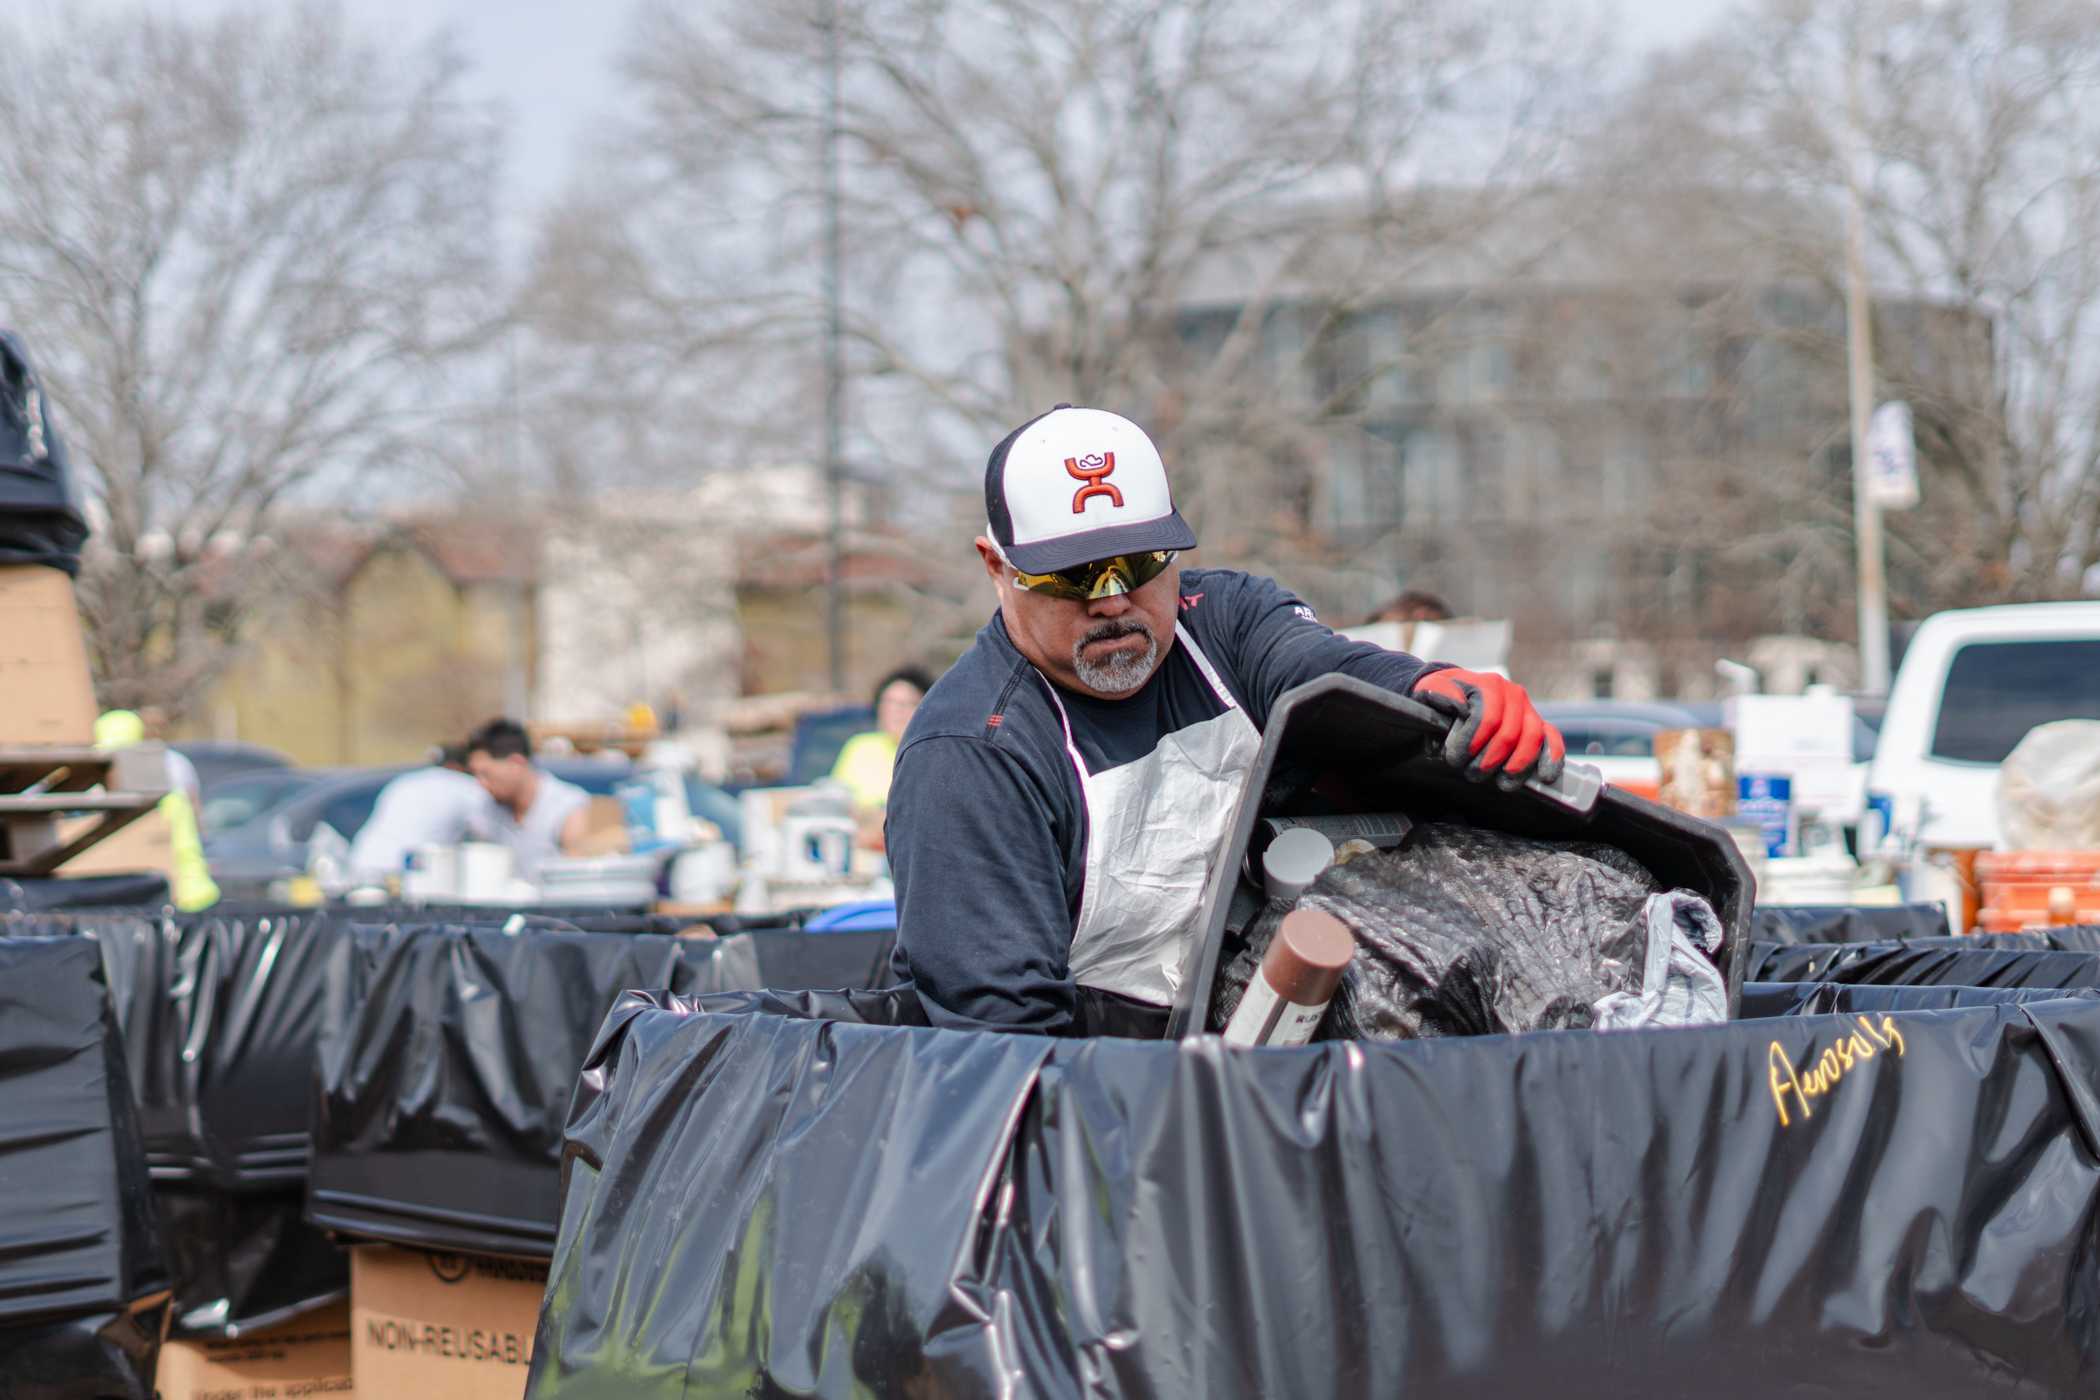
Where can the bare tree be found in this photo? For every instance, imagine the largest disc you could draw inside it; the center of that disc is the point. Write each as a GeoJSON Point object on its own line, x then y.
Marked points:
{"type": "Point", "coordinates": [248, 251]}
{"type": "Point", "coordinates": [1162, 207]}
{"type": "Point", "coordinates": [1977, 143]}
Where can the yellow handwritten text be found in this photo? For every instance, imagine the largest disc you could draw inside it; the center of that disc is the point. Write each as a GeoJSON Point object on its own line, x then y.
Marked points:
{"type": "Point", "coordinates": [1819, 1075]}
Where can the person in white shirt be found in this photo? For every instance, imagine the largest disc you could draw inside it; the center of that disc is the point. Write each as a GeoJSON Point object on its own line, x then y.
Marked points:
{"type": "Point", "coordinates": [433, 806]}
{"type": "Point", "coordinates": [527, 809]}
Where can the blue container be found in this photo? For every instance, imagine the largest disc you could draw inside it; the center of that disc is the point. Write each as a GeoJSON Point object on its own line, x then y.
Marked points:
{"type": "Point", "coordinates": [1766, 801]}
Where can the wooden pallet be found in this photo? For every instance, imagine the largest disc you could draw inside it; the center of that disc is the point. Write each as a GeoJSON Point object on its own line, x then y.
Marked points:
{"type": "Point", "coordinates": [41, 785]}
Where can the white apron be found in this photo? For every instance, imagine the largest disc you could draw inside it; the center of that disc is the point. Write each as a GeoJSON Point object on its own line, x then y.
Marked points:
{"type": "Point", "coordinates": [1153, 829]}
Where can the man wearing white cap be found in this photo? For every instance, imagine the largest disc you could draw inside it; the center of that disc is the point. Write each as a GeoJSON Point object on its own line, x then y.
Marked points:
{"type": "Point", "coordinates": [1062, 791]}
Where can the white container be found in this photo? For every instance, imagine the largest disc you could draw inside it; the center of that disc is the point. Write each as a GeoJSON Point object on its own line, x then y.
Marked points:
{"type": "Point", "coordinates": [818, 847]}
{"type": "Point", "coordinates": [622, 879]}
{"type": "Point", "coordinates": [1808, 880]}
{"type": "Point", "coordinates": [484, 872]}
{"type": "Point", "coordinates": [704, 875]}
{"type": "Point", "coordinates": [432, 876]}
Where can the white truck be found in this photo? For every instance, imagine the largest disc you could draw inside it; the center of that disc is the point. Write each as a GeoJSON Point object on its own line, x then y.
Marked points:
{"type": "Point", "coordinates": [1971, 685]}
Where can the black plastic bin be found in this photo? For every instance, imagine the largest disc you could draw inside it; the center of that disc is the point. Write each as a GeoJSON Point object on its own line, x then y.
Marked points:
{"type": "Point", "coordinates": [768, 1195]}
{"type": "Point", "coordinates": [82, 1282]}
{"type": "Point", "coordinates": [1938, 962]}
{"type": "Point", "coordinates": [448, 1059]}
{"type": "Point", "coordinates": [1339, 744]}
{"type": "Point", "coordinates": [1846, 923]}
{"type": "Point", "coordinates": [221, 1013]}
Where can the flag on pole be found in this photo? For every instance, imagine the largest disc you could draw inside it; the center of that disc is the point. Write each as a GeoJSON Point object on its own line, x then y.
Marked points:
{"type": "Point", "coordinates": [1892, 458]}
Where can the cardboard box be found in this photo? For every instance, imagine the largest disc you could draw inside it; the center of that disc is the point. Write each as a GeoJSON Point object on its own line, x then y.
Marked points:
{"type": "Point", "coordinates": [442, 1326]}
{"type": "Point", "coordinates": [306, 1357]}
{"type": "Point", "coordinates": [46, 696]}
{"type": "Point", "coordinates": [144, 845]}
{"type": "Point", "coordinates": [1698, 771]}
{"type": "Point", "coordinates": [604, 829]}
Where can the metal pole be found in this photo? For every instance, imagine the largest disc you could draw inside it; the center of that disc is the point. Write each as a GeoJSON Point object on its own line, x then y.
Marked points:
{"type": "Point", "coordinates": [834, 363]}
{"type": "Point", "coordinates": [1859, 358]}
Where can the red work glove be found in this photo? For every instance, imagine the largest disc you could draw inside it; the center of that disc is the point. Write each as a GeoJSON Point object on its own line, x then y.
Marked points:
{"type": "Point", "coordinates": [1498, 733]}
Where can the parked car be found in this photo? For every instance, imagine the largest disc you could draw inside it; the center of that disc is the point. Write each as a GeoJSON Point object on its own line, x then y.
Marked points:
{"type": "Point", "coordinates": [1972, 684]}
{"type": "Point", "coordinates": [236, 800]}
{"type": "Point", "coordinates": [819, 736]}
{"type": "Point", "coordinates": [218, 762]}
{"type": "Point", "coordinates": [1617, 737]}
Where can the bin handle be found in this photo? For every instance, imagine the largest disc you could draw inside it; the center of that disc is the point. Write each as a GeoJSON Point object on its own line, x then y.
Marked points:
{"type": "Point", "coordinates": [1577, 788]}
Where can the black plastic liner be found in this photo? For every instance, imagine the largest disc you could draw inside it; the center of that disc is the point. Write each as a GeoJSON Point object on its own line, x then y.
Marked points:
{"type": "Point", "coordinates": [82, 1284]}
{"type": "Point", "coordinates": [244, 1262]}
{"type": "Point", "coordinates": [29, 894]}
{"type": "Point", "coordinates": [448, 1060]}
{"type": "Point", "coordinates": [789, 958]}
{"type": "Point", "coordinates": [221, 1016]}
{"type": "Point", "coordinates": [1845, 998]}
{"type": "Point", "coordinates": [1843, 923]}
{"type": "Point", "coordinates": [1944, 964]}
{"type": "Point", "coordinates": [40, 516]}
{"type": "Point", "coordinates": [2084, 938]}
{"type": "Point", "coordinates": [761, 1204]}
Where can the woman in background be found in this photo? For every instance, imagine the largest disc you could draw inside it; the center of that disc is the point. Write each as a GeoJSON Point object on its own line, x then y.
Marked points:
{"type": "Point", "coordinates": [865, 762]}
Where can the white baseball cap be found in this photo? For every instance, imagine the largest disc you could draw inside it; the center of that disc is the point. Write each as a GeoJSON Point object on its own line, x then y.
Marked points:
{"type": "Point", "coordinates": [1075, 485]}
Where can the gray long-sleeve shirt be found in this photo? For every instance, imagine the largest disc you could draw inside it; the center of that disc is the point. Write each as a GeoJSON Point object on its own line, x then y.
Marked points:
{"type": "Point", "coordinates": [987, 828]}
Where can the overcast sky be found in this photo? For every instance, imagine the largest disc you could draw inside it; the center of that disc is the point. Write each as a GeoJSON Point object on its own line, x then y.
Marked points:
{"type": "Point", "coordinates": [550, 64]}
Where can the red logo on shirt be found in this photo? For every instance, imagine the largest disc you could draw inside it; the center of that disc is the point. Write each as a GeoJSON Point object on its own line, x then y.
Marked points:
{"type": "Point", "coordinates": [1189, 600]}
{"type": "Point", "coordinates": [1093, 469]}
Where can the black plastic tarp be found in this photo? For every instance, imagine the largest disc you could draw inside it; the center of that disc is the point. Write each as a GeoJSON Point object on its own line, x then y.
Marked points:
{"type": "Point", "coordinates": [760, 1204]}
{"type": "Point", "coordinates": [29, 894]}
{"type": "Point", "coordinates": [221, 1014]}
{"type": "Point", "coordinates": [1927, 964]}
{"type": "Point", "coordinates": [82, 1284]}
{"type": "Point", "coordinates": [247, 1260]}
{"type": "Point", "coordinates": [789, 958]}
{"type": "Point", "coordinates": [448, 1060]}
{"type": "Point", "coordinates": [2083, 938]}
{"type": "Point", "coordinates": [1845, 998]}
{"type": "Point", "coordinates": [40, 514]}
{"type": "Point", "coordinates": [1841, 923]}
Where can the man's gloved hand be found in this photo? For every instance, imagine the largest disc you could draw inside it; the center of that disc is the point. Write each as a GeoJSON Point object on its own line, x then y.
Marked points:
{"type": "Point", "coordinates": [1498, 733]}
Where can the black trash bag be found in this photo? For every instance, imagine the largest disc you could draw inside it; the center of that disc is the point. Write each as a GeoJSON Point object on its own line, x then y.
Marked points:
{"type": "Point", "coordinates": [1466, 931]}
{"type": "Point", "coordinates": [758, 1204]}
{"type": "Point", "coordinates": [82, 1282]}
{"type": "Point", "coordinates": [792, 960]}
{"type": "Point", "coordinates": [40, 514]}
{"type": "Point", "coordinates": [2074, 938]}
{"type": "Point", "coordinates": [110, 1356]}
{"type": "Point", "coordinates": [1947, 963]}
{"type": "Point", "coordinates": [220, 1017]}
{"type": "Point", "coordinates": [246, 1261]}
{"type": "Point", "coordinates": [447, 1062]}
{"type": "Point", "coordinates": [1845, 998]}
{"type": "Point", "coordinates": [27, 894]}
{"type": "Point", "coordinates": [1843, 923]}
{"type": "Point", "coordinates": [221, 1014]}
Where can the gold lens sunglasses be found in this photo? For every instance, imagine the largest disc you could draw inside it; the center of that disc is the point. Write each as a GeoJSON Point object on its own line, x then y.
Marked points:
{"type": "Point", "coordinates": [1104, 578]}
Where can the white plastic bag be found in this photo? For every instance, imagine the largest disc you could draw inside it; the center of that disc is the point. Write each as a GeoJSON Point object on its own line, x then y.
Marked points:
{"type": "Point", "coordinates": [2049, 789]}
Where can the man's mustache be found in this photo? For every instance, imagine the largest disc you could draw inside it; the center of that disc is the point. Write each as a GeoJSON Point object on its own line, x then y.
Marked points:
{"type": "Point", "coordinates": [1120, 627]}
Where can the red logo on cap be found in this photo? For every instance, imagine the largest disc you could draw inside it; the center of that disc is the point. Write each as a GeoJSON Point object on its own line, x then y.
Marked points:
{"type": "Point", "coordinates": [1093, 470]}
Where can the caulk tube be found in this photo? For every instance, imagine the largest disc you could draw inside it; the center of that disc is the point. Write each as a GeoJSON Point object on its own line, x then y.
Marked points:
{"type": "Point", "coordinates": [1384, 830]}
{"type": "Point", "coordinates": [1289, 992]}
